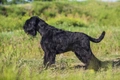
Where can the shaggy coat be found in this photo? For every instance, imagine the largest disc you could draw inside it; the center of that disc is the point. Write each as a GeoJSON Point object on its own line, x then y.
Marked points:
{"type": "Point", "coordinates": [55, 41]}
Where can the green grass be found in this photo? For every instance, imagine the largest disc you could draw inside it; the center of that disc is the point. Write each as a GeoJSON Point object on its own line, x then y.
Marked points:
{"type": "Point", "coordinates": [21, 57]}
{"type": "Point", "coordinates": [66, 13]}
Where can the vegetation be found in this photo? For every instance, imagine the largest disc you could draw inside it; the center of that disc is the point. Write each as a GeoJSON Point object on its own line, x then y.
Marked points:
{"type": "Point", "coordinates": [21, 56]}
{"type": "Point", "coordinates": [65, 13]}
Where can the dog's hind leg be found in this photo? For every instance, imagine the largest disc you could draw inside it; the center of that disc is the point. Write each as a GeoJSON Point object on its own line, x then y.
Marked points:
{"type": "Point", "coordinates": [83, 55]}
{"type": "Point", "coordinates": [87, 57]}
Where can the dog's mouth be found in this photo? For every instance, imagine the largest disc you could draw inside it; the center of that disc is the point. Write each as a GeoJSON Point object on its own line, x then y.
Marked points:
{"type": "Point", "coordinates": [31, 34]}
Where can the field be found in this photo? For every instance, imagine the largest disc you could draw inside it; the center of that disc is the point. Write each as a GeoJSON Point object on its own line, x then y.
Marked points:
{"type": "Point", "coordinates": [21, 56]}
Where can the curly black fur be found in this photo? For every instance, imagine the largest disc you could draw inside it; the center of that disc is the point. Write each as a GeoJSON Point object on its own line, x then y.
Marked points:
{"type": "Point", "coordinates": [55, 41]}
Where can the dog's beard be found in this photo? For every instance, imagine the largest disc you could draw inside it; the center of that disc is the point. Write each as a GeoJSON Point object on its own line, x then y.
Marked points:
{"type": "Point", "coordinates": [31, 32]}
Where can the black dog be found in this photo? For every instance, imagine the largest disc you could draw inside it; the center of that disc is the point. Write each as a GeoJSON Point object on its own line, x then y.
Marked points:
{"type": "Point", "coordinates": [55, 41]}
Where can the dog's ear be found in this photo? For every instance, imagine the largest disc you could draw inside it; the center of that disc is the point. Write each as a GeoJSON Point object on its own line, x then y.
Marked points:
{"type": "Point", "coordinates": [41, 23]}
{"type": "Point", "coordinates": [34, 21]}
{"type": "Point", "coordinates": [30, 26]}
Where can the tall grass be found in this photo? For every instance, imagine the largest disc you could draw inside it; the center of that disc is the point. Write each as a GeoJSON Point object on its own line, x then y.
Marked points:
{"type": "Point", "coordinates": [21, 57]}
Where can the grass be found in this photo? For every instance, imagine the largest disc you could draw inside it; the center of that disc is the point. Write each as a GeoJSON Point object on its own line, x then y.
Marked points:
{"type": "Point", "coordinates": [21, 57]}
{"type": "Point", "coordinates": [67, 13]}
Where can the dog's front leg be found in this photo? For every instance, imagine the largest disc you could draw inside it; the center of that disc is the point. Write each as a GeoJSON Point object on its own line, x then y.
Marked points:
{"type": "Point", "coordinates": [45, 59]}
{"type": "Point", "coordinates": [49, 59]}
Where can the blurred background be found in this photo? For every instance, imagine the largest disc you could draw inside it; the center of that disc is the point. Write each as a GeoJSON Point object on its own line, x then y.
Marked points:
{"type": "Point", "coordinates": [80, 13]}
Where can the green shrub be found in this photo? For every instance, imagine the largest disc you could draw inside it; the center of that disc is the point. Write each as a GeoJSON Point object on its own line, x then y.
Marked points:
{"type": "Point", "coordinates": [10, 23]}
{"type": "Point", "coordinates": [67, 22]}
{"type": "Point", "coordinates": [61, 13]}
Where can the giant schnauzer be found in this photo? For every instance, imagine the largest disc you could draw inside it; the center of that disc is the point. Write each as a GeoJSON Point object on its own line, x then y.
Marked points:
{"type": "Point", "coordinates": [55, 41]}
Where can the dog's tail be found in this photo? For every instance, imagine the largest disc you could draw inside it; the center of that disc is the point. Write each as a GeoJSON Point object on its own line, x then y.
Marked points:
{"type": "Point", "coordinates": [99, 39]}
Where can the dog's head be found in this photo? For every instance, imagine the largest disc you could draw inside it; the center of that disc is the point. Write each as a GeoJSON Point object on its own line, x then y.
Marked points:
{"type": "Point", "coordinates": [33, 25]}
{"type": "Point", "coordinates": [30, 26]}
